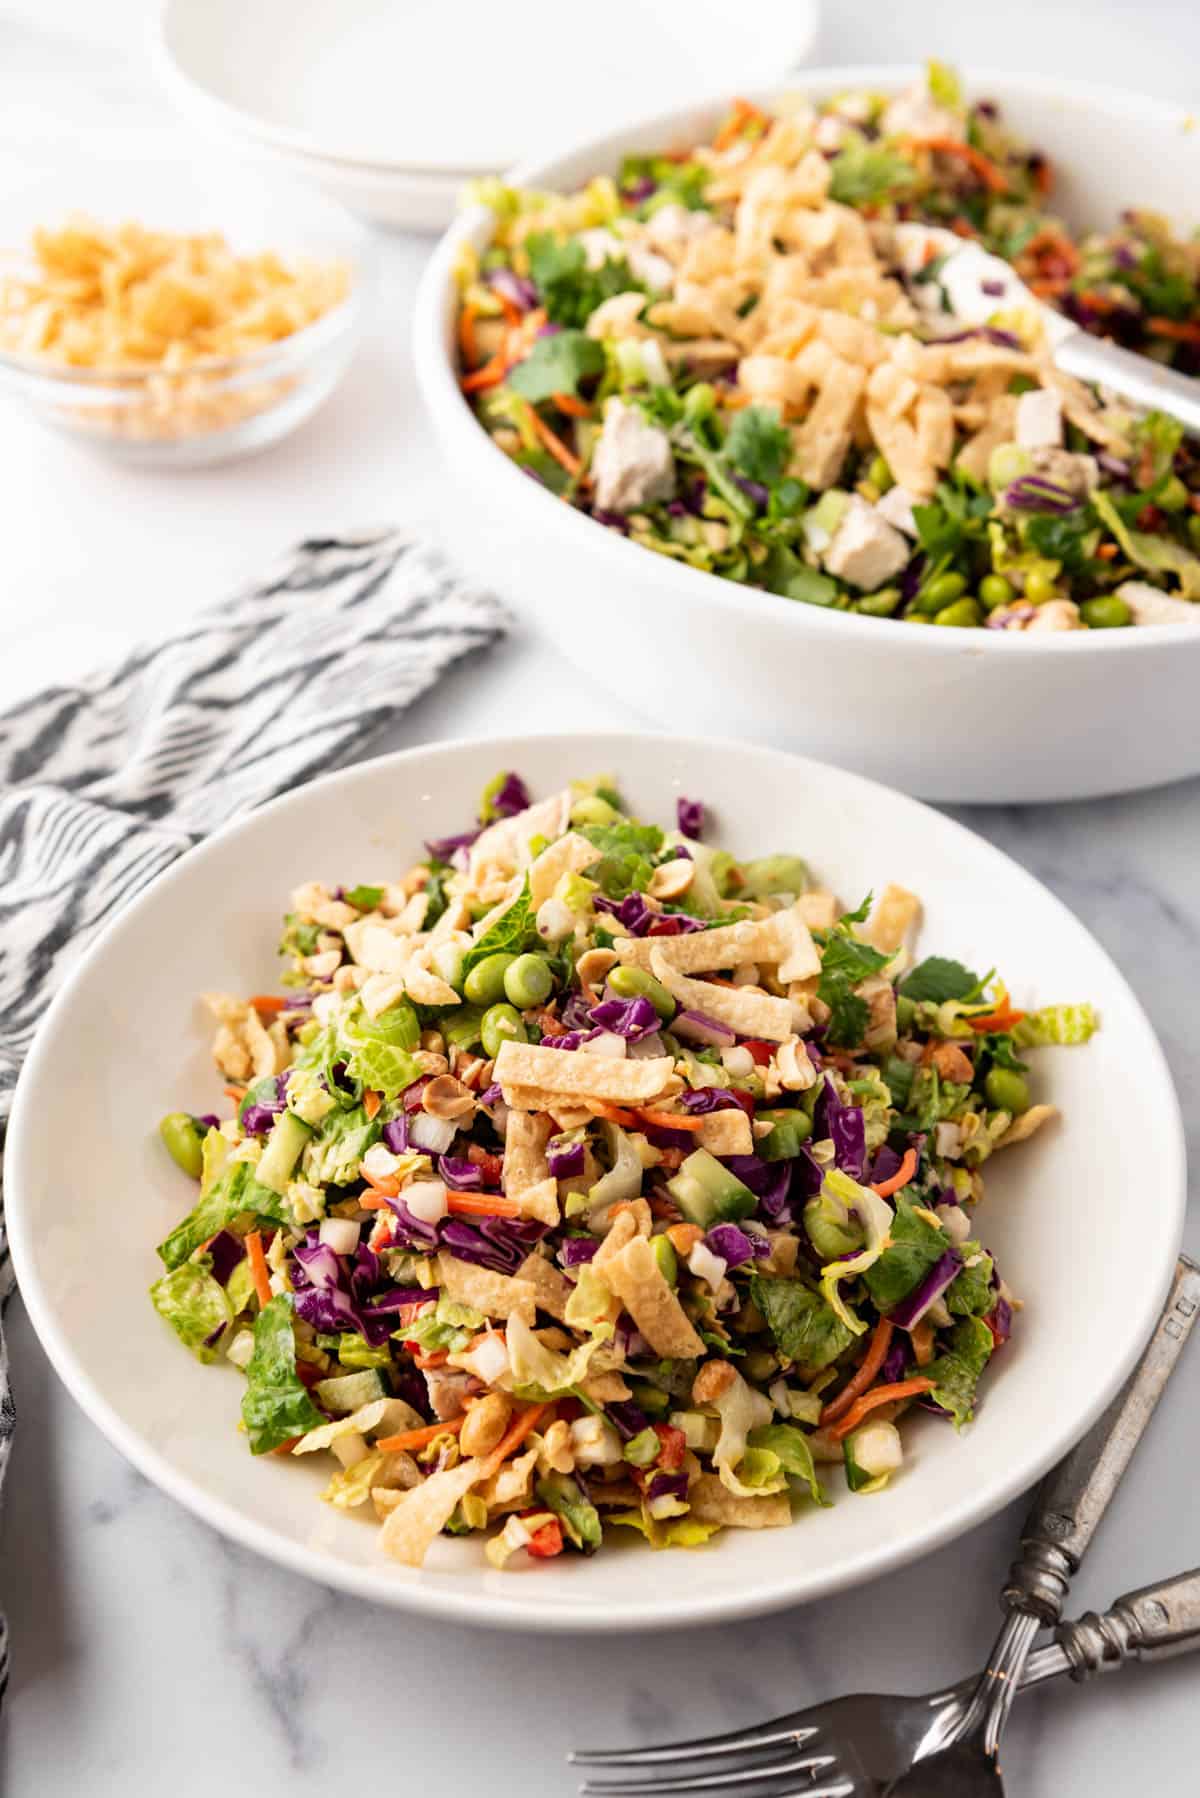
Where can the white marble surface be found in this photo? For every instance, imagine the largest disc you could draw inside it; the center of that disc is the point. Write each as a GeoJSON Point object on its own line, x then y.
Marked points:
{"type": "Point", "coordinates": [149, 1656]}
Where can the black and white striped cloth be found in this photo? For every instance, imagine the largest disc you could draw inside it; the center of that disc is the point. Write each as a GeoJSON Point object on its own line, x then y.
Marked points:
{"type": "Point", "coordinates": [104, 784]}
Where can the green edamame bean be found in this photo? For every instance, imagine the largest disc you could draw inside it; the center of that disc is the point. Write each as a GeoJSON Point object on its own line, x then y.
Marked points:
{"type": "Point", "coordinates": [484, 985]}
{"type": "Point", "coordinates": [501, 1024]}
{"type": "Point", "coordinates": [528, 981]}
{"type": "Point", "coordinates": [1174, 496]}
{"type": "Point", "coordinates": [906, 1014]}
{"type": "Point", "coordinates": [700, 401]}
{"type": "Point", "coordinates": [879, 605]}
{"type": "Point", "coordinates": [1007, 1090]}
{"type": "Point", "coordinates": [668, 1261]}
{"type": "Point", "coordinates": [880, 475]}
{"type": "Point", "coordinates": [591, 809]}
{"type": "Point", "coordinates": [962, 612]}
{"type": "Point", "coordinates": [1039, 587]}
{"type": "Point", "coordinates": [1105, 612]}
{"type": "Point", "coordinates": [184, 1142]}
{"type": "Point", "coordinates": [994, 591]}
{"type": "Point", "coordinates": [635, 983]}
{"type": "Point", "coordinates": [939, 592]}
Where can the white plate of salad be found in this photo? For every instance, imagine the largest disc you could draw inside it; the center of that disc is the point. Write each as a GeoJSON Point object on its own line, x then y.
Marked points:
{"type": "Point", "coordinates": [589, 1148]}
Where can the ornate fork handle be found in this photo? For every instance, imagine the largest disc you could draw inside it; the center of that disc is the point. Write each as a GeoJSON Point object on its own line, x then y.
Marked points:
{"type": "Point", "coordinates": [1075, 1496]}
{"type": "Point", "coordinates": [1152, 1624]}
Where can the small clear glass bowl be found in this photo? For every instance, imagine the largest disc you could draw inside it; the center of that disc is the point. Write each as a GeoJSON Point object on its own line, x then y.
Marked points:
{"type": "Point", "coordinates": [214, 409]}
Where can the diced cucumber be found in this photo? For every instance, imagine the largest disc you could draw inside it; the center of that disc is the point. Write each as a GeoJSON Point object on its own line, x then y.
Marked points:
{"type": "Point", "coordinates": [284, 1148]}
{"type": "Point", "coordinates": [789, 1131]}
{"type": "Point", "coordinates": [348, 1391]}
{"type": "Point", "coordinates": [708, 1193]}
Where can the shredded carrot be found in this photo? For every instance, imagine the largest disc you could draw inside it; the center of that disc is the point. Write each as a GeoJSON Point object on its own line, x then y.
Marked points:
{"type": "Point", "coordinates": [371, 1102]}
{"type": "Point", "coordinates": [386, 1183]}
{"type": "Point", "coordinates": [1001, 1017]}
{"type": "Point", "coordinates": [555, 446]}
{"type": "Point", "coordinates": [742, 115]}
{"type": "Point", "coordinates": [1043, 175]}
{"type": "Point", "coordinates": [236, 1093]}
{"type": "Point", "coordinates": [976, 161]}
{"type": "Point", "coordinates": [1048, 290]}
{"type": "Point", "coordinates": [670, 1120]}
{"type": "Point", "coordinates": [469, 1204]}
{"type": "Point", "coordinates": [876, 1355]}
{"type": "Point", "coordinates": [922, 1341]}
{"type": "Point", "coordinates": [467, 341]}
{"type": "Point", "coordinates": [512, 311]}
{"type": "Point", "coordinates": [879, 1395]}
{"type": "Point", "coordinates": [901, 1177]}
{"type": "Point", "coordinates": [574, 408]}
{"type": "Point", "coordinates": [420, 1438]}
{"type": "Point", "coordinates": [285, 1448]}
{"type": "Point", "coordinates": [269, 1003]}
{"type": "Point", "coordinates": [373, 1201]}
{"type": "Point", "coordinates": [522, 1424]}
{"type": "Point", "coordinates": [612, 1113]}
{"type": "Point", "coordinates": [258, 1267]}
{"type": "Point", "coordinates": [1053, 241]}
{"type": "Point", "coordinates": [1099, 302]}
{"type": "Point", "coordinates": [1181, 333]}
{"type": "Point", "coordinates": [1107, 552]}
{"type": "Point", "coordinates": [436, 1358]}
{"type": "Point", "coordinates": [490, 375]}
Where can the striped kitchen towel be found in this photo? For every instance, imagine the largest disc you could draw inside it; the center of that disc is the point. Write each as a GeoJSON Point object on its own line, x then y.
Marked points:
{"type": "Point", "coordinates": [104, 784]}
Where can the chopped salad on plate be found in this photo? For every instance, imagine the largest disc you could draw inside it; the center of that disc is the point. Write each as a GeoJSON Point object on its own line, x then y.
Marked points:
{"type": "Point", "coordinates": [739, 356]}
{"type": "Point", "coordinates": [585, 1179]}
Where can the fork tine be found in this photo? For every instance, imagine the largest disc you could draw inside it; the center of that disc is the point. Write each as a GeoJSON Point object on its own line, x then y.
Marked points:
{"type": "Point", "coordinates": [734, 1741]}
{"type": "Point", "coordinates": [709, 1782]}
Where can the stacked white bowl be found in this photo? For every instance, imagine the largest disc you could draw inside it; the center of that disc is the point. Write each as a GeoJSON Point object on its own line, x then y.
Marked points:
{"type": "Point", "coordinates": [393, 109]}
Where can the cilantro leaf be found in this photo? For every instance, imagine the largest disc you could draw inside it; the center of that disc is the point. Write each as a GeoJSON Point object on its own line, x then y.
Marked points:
{"type": "Point", "coordinates": [557, 365]}
{"type": "Point", "coordinates": [784, 573]}
{"type": "Point", "coordinates": [570, 290]}
{"type": "Point", "coordinates": [805, 1328]}
{"type": "Point", "coordinates": [759, 445]}
{"type": "Point", "coordinates": [275, 1406]}
{"type": "Point", "coordinates": [916, 1248]}
{"type": "Point", "coordinates": [937, 979]}
{"type": "Point", "coordinates": [1070, 538]}
{"type": "Point", "coordinates": [844, 963]}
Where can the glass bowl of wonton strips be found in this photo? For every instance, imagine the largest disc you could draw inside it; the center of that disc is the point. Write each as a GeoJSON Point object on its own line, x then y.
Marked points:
{"type": "Point", "coordinates": [741, 355]}
{"type": "Point", "coordinates": [586, 1180]}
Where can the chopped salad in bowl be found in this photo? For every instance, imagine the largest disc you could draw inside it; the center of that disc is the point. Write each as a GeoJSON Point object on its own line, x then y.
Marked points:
{"type": "Point", "coordinates": [586, 1179]}
{"type": "Point", "coordinates": [732, 355]}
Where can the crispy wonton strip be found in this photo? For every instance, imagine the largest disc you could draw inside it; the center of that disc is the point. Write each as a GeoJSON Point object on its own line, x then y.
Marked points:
{"type": "Point", "coordinates": [780, 938]}
{"type": "Point", "coordinates": [746, 1009]}
{"type": "Point", "coordinates": [525, 1140]}
{"type": "Point", "coordinates": [711, 1503]}
{"type": "Point", "coordinates": [896, 914]}
{"type": "Point", "coordinates": [422, 1513]}
{"type": "Point", "coordinates": [634, 1275]}
{"type": "Point", "coordinates": [496, 1295]}
{"type": "Point", "coordinates": [574, 1075]}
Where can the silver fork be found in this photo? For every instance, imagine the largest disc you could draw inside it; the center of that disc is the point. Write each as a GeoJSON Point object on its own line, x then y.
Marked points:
{"type": "Point", "coordinates": [1152, 1624]}
{"type": "Point", "coordinates": [852, 1746]}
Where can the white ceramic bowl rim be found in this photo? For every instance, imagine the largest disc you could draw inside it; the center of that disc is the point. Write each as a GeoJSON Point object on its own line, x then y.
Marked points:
{"type": "Point", "coordinates": [730, 596]}
{"type": "Point", "coordinates": [522, 1609]}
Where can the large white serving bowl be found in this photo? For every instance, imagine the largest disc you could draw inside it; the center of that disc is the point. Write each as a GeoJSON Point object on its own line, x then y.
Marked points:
{"type": "Point", "coordinates": [1084, 1220]}
{"type": "Point", "coordinates": [950, 714]}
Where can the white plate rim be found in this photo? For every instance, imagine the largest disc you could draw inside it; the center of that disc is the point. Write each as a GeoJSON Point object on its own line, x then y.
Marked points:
{"type": "Point", "coordinates": [524, 1612]}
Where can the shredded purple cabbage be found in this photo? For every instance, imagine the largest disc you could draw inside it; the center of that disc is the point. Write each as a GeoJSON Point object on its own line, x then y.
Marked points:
{"type": "Point", "coordinates": [576, 1250]}
{"type": "Point", "coordinates": [460, 1174]}
{"type": "Point", "coordinates": [628, 1018]}
{"type": "Point", "coordinates": [565, 1161]}
{"type": "Point", "coordinates": [912, 1308]}
{"type": "Point", "coordinates": [511, 797]}
{"type": "Point", "coordinates": [736, 1247]}
{"type": "Point", "coordinates": [639, 919]}
{"type": "Point", "coordinates": [689, 814]}
{"type": "Point", "coordinates": [225, 1251]}
{"type": "Point", "coordinates": [443, 849]}
{"type": "Point", "coordinates": [499, 1243]}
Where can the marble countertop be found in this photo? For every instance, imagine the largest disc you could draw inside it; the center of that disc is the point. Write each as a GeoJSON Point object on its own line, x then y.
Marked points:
{"type": "Point", "coordinates": [151, 1656]}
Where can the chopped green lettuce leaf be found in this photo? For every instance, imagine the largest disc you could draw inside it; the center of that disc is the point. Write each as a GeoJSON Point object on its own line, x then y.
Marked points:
{"type": "Point", "coordinates": [795, 1454]}
{"type": "Point", "coordinates": [194, 1305]}
{"type": "Point", "coordinates": [805, 1329]}
{"type": "Point", "coordinates": [275, 1406]}
{"type": "Point", "coordinates": [916, 1247]}
{"type": "Point", "coordinates": [514, 931]}
{"type": "Point", "coordinates": [956, 1371]}
{"type": "Point", "coordinates": [1056, 1024]}
{"type": "Point", "coordinates": [236, 1191]}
